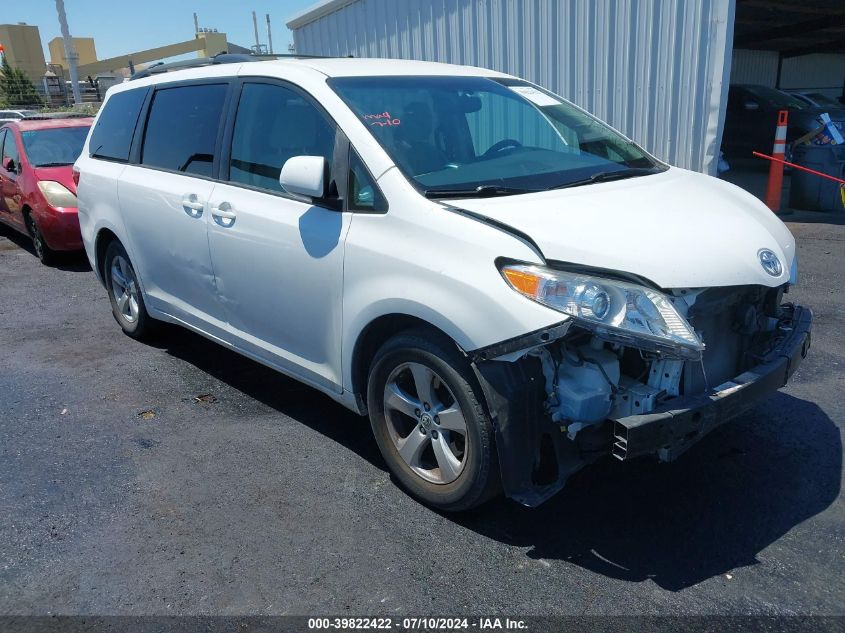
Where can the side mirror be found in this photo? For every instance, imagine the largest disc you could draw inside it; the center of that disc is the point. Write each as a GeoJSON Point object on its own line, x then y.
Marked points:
{"type": "Point", "coordinates": [305, 176]}
{"type": "Point", "coordinates": [10, 166]}
{"type": "Point", "coordinates": [751, 105]}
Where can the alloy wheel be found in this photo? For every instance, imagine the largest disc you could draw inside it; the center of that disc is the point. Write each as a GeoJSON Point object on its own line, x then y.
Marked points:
{"type": "Point", "coordinates": [425, 423]}
{"type": "Point", "coordinates": [124, 289]}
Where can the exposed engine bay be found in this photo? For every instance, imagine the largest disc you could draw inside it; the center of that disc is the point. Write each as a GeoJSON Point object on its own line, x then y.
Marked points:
{"type": "Point", "coordinates": [590, 380]}
{"type": "Point", "coordinates": [560, 405]}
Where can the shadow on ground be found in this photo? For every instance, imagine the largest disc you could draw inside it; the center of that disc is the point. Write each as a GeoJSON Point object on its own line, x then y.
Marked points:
{"type": "Point", "coordinates": [713, 511]}
{"type": "Point", "coordinates": [74, 261]}
{"type": "Point", "coordinates": [285, 395]}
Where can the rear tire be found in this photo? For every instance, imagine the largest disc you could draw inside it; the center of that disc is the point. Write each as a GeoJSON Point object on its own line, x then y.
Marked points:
{"type": "Point", "coordinates": [428, 420]}
{"type": "Point", "coordinates": [45, 254]}
{"type": "Point", "coordinates": [127, 302]}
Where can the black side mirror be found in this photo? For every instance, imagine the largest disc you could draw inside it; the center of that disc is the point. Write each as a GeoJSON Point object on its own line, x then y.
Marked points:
{"type": "Point", "coordinates": [10, 165]}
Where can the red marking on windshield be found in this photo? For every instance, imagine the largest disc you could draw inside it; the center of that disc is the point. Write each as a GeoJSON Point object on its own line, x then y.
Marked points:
{"type": "Point", "coordinates": [381, 120]}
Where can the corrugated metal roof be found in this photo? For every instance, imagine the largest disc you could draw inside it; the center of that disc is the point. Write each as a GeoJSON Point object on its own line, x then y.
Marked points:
{"type": "Point", "coordinates": [655, 69]}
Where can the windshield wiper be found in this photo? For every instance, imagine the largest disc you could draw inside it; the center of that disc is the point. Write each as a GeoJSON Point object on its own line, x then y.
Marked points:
{"type": "Point", "coordinates": [53, 164]}
{"type": "Point", "coordinates": [605, 176]}
{"type": "Point", "coordinates": [482, 191]}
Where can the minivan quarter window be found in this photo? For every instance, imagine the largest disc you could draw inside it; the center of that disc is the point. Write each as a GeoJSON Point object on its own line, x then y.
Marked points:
{"type": "Point", "coordinates": [273, 124]}
{"type": "Point", "coordinates": [112, 136]}
{"type": "Point", "coordinates": [182, 126]}
{"type": "Point", "coordinates": [363, 193]}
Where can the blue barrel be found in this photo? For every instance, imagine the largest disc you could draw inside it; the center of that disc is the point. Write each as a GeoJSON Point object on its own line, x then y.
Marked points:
{"type": "Point", "coordinates": [811, 192]}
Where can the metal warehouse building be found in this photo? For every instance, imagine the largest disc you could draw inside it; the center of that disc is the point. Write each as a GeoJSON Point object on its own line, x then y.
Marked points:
{"type": "Point", "coordinates": [658, 70]}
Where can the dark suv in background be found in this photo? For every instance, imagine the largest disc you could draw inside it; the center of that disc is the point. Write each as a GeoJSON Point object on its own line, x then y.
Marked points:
{"type": "Point", "coordinates": [752, 116]}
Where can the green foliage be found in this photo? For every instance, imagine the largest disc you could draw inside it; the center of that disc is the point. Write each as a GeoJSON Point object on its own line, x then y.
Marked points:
{"type": "Point", "coordinates": [15, 87]}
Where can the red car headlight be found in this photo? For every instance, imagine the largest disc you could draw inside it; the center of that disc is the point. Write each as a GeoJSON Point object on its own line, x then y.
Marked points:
{"type": "Point", "coordinates": [57, 194]}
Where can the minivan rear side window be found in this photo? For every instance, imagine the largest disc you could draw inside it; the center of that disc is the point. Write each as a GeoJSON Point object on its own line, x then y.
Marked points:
{"type": "Point", "coordinates": [182, 128]}
{"type": "Point", "coordinates": [112, 136]}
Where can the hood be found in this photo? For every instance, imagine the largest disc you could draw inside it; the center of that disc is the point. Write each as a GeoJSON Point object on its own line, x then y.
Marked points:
{"type": "Point", "coordinates": [678, 229]}
{"type": "Point", "coordinates": [63, 175]}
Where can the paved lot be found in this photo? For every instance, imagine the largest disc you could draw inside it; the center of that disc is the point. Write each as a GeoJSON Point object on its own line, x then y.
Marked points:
{"type": "Point", "coordinates": [181, 478]}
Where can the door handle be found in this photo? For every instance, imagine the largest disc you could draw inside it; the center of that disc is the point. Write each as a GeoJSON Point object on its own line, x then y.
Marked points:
{"type": "Point", "coordinates": [192, 205]}
{"type": "Point", "coordinates": [224, 214]}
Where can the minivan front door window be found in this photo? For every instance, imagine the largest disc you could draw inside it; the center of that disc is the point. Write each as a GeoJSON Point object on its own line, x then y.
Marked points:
{"type": "Point", "coordinates": [274, 124]}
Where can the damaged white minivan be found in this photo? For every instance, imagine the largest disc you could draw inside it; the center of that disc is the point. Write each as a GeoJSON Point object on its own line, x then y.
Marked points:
{"type": "Point", "coordinates": [509, 288]}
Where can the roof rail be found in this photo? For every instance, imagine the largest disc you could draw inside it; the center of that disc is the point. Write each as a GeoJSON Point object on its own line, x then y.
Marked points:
{"type": "Point", "coordinates": [220, 58]}
{"type": "Point", "coordinates": [48, 116]}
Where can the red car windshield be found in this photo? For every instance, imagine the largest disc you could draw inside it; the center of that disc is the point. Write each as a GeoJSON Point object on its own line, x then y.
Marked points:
{"type": "Point", "coordinates": [54, 147]}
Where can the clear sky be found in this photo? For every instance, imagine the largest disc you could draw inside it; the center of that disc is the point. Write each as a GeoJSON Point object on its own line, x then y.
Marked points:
{"type": "Point", "coordinates": [120, 26]}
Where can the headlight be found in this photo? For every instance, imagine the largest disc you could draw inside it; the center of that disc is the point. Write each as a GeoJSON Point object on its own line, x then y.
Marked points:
{"type": "Point", "coordinates": [57, 194]}
{"type": "Point", "coordinates": [613, 310]}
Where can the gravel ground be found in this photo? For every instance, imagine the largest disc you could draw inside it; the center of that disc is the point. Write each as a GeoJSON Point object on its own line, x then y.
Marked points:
{"type": "Point", "coordinates": [180, 478]}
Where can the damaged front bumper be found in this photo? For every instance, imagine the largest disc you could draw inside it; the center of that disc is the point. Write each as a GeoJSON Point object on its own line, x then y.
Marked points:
{"type": "Point", "coordinates": [671, 430]}
{"type": "Point", "coordinates": [536, 457]}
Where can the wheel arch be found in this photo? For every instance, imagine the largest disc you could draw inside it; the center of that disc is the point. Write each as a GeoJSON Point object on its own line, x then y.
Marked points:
{"type": "Point", "coordinates": [372, 337]}
{"type": "Point", "coordinates": [26, 212]}
{"type": "Point", "coordinates": [26, 209]}
{"type": "Point", "coordinates": [105, 236]}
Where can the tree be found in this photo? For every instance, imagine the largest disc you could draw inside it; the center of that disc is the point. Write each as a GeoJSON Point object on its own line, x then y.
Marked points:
{"type": "Point", "coordinates": [15, 87]}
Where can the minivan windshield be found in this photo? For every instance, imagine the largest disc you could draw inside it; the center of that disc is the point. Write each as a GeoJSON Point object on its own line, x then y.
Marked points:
{"type": "Point", "coordinates": [476, 136]}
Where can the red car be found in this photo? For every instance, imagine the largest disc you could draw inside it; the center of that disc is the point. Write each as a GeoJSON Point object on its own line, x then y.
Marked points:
{"type": "Point", "coordinates": [37, 191]}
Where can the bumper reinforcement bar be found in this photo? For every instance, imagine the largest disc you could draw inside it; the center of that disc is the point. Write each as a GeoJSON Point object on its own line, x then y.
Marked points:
{"type": "Point", "coordinates": [671, 430]}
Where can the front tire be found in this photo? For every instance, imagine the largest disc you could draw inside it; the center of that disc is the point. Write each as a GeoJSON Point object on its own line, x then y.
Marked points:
{"type": "Point", "coordinates": [45, 254]}
{"type": "Point", "coordinates": [427, 418]}
{"type": "Point", "coordinates": [127, 302]}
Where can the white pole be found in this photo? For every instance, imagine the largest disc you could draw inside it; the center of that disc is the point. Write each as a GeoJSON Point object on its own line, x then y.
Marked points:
{"type": "Point", "coordinates": [70, 52]}
{"type": "Point", "coordinates": [255, 26]}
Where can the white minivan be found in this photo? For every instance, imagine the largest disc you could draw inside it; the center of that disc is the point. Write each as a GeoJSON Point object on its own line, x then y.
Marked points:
{"type": "Point", "coordinates": [508, 287]}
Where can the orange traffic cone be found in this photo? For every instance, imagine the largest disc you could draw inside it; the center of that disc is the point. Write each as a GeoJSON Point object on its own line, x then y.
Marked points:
{"type": "Point", "coordinates": [775, 186]}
